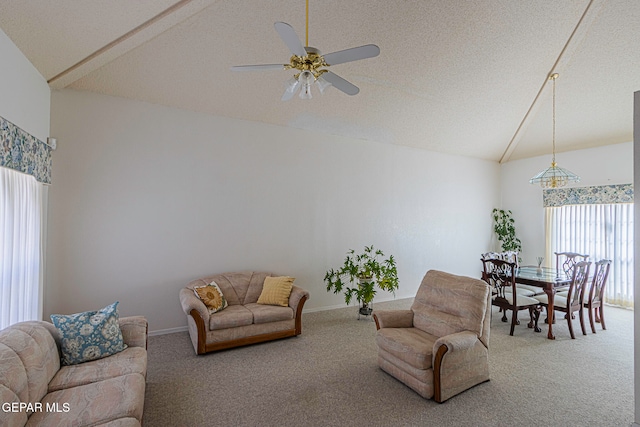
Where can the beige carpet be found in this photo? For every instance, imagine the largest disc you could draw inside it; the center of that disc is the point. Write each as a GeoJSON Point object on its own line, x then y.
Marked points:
{"type": "Point", "coordinates": [328, 376]}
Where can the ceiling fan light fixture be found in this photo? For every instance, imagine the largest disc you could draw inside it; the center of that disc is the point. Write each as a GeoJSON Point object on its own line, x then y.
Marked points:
{"type": "Point", "coordinates": [306, 77]}
{"type": "Point", "coordinates": [322, 84]}
{"type": "Point", "coordinates": [292, 84]}
{"type": "Point", "coordinates": [310, 64]}
{"type": "Point", "coordinates": [305, 92]}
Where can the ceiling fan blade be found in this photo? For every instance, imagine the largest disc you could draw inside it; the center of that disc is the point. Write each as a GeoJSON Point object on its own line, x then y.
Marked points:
{"type": "Point", "coordinates": [353, 54]}
{"type": "Point", "coordinates": [340, 83]}
{"type": "Point", "coordinates": [290, 38]}
{"type": "Point", "coordinates": [258, 67]}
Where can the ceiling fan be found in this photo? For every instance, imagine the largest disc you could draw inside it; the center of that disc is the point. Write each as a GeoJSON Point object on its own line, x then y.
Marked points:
{"type": "Point", "coordinates": [311, 64]}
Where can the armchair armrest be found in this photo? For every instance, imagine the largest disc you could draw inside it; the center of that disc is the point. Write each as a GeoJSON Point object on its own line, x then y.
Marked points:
{"type": "Point", "coordinates": [189, 302]}
{"type": "Point", "coordinates": [393, 318]}
{"type": "Point", "coordinates": [456, 342]}
{"type": "Point", "coordinates": [460, 361]}
{"type": "Point", "coordinates": [134, 331]}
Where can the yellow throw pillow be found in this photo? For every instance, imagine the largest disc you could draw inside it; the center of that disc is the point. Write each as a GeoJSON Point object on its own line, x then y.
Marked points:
{"type": "Point", "coordinates": [276, 290]}
{"type": "Point", "coordinates": [211, 296]}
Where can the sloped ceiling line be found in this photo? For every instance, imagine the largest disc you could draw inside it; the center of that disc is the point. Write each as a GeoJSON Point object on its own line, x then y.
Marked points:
{"type": "Point", "coordinates": [578, 33]}
{"type": "Point", "coordinates": [470, 79]}
{"type": "Point", "coordinates": [170, 10]}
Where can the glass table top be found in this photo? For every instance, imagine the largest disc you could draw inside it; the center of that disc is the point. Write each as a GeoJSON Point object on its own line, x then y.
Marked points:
{"type": "Point", "coordinates": [543, 274]}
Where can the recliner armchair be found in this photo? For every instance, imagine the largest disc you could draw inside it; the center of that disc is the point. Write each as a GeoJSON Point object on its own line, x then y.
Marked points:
{"type": "Point", "coordinates": [439, 347]}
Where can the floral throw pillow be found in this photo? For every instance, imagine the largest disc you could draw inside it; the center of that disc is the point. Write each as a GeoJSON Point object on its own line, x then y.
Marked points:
{"type": "Point", "coordinates": [90, 335]}
{"type": "Point", "coordinates": [211, 296]}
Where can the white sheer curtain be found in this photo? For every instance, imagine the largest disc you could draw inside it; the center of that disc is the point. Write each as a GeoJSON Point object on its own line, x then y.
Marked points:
{"type": "Point", "coordinates": [601, 231]}
{"type": "Point", "coordinates": [22, 219]}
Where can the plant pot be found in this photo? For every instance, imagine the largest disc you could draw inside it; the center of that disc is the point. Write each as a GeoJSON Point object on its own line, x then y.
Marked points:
{"type": "Point", "coordinates": [365, 310]}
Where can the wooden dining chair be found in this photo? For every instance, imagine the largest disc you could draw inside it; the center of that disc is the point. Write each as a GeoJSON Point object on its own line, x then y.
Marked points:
{"type": "Point", "coordinates": [594, 299]}
{"type": "Point", "coordinates": [569, 260]}
{"type": "Point", "coordinates": [512, 256]}
{"type": "Point", "coordinates": [574, 299]}
{"type": "Point", "coordinates": [501, 276]}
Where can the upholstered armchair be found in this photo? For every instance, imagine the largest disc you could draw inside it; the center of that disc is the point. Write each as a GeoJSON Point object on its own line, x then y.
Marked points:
{"type": "Point", "coordinates": [440, 347]}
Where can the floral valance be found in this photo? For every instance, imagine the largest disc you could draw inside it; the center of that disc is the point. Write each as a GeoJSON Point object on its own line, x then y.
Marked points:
{"type": "Point", "coordinates": [603, 194]}
{"type": "Point", "coordinates": [24, 152]}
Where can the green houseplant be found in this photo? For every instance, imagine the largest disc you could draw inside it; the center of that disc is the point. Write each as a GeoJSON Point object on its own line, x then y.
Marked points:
{"type": "Point", "coordinates": [360, 274]}
{"type": "Point", "coordinates": [504, 227]}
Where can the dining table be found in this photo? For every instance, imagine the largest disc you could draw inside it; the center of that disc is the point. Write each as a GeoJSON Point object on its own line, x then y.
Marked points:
{"type": "Point", "coordinates": [549, 279]}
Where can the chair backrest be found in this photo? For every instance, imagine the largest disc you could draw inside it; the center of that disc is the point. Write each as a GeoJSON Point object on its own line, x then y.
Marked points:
{"type": "Point", "coordinates": [599, 282]}
{"type": "Point", "coordinates": [446, 304]}
{"type": "Point", "coordinates": [511, 256]}
{"type": "Point", "coordinates": [569, 261]}
{"type": "Point", "coordinates": [500, 275]}
{"type": "Point", "coordinates": [491, 255]}
{"type": "Point", "coordinates": [575, 297]}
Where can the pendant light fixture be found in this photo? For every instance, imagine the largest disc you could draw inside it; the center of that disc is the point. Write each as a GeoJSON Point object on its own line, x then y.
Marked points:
{"type": "Point", "coordinates": [554, 176]}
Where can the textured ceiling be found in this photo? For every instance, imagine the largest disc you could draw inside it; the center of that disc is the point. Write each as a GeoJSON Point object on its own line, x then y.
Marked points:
{"type": "Point", "coordinates": [461, 77]}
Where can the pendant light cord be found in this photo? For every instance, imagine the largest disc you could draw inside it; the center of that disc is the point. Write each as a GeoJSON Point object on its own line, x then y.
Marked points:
{"type": "Point", "coordinates": [553, 77]}
{"type": "Point", "coordinates": [307, 30]}
{"type": "Point", "coordinates": [554, 176]}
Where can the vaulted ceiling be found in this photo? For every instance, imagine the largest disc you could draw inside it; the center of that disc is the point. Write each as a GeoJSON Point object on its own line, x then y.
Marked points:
{"type": "Point", "coordinates": [457, 76]}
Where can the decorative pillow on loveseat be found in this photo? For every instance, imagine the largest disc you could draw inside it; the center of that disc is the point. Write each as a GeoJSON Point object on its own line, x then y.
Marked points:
{"type": "Point", "coordinates": [276, 290]}
{"type": "Point", "coordinates": [211, 296]}
{"type": "Point", "coordinates": [90, 335]}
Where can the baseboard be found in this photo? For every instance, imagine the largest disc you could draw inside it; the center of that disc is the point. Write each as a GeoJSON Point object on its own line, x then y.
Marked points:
{"type": "Point", "coordinates": [334, 307]}
{"type": "Point", "coordinates": [325, 308]}
{"type": "Point", "coordinates": [168, 331]}
{"type": "Point", "coordinates": [305, 310]}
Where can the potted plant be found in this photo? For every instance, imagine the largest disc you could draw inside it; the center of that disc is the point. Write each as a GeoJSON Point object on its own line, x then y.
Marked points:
{"type": "Point", "coordinates": [364, 272]}
{"type": "Point", "coordinates": [503, 225]}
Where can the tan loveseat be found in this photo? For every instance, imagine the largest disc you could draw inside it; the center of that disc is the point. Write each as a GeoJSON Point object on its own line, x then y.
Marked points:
{"type": "Point", "coordinates": [440, 347]}
{"type": "Point", "coordinates": [35, 390]}
{"type": "Point", "coordinates": [244, 321]}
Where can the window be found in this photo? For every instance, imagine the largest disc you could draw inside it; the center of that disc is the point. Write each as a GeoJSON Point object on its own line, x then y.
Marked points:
{"type": "Point", "coordinates": [601, 230]}
{"type": "Point", "coordinates": [21, 247]}
{"type": "Point", "coordinates": [25, 166]}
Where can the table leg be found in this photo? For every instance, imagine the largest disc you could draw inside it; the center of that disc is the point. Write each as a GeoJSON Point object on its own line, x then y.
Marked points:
{"type": "Point", "coordinates": [550, 313]}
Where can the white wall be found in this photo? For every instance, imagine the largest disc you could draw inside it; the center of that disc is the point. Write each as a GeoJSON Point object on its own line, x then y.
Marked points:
{"type": "Point", "coordinates": [24, 93]}
{"type": "Point", "coordinates": [147, 198]}
{"type": "Point", "coordinates": [612, 164]}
